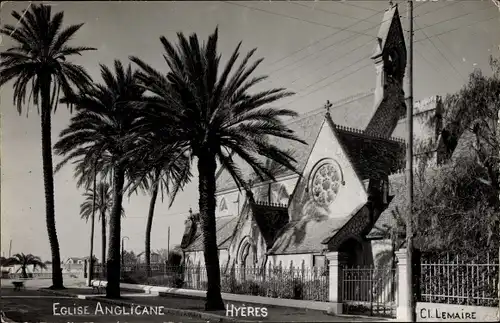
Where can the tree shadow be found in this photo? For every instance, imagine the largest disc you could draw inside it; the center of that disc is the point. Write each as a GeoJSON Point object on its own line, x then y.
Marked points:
{"type": "Point", "coordinates": [303, 210]}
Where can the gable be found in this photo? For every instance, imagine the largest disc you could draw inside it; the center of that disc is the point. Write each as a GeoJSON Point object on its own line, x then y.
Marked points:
{"type": "Point", "coordinates": [224, 231]}
{"type": "Point", "coordinates": [270, 219]}
{"type": "Point", "coordinates": [354, 111]}
{"type": "Point", "coordinates": [327, 149]}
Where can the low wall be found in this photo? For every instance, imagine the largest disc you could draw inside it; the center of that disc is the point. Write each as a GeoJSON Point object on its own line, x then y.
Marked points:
{"type": "Point", "coordinates": [434, 312]}
{"type": "Point", "coordinates": [158, 290]}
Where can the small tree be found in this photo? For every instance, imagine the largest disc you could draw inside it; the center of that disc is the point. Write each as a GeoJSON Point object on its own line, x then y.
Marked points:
{"type": "Point", "coordinates": [460, 198]}
{"type": "Point", "coordinates": [24, 261]}
{"type": "Point", "coordinates": [129, 257]}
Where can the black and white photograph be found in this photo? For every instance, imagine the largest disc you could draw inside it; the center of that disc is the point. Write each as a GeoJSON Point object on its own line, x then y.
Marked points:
{"type": "Point", "coordinates": [250, 161]}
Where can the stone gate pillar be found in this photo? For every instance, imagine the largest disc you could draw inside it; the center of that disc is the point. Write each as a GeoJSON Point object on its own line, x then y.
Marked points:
{"type": "Point", "coordinates": [403, 311]}
{"type": "Point", "coordinates": [335, 282]}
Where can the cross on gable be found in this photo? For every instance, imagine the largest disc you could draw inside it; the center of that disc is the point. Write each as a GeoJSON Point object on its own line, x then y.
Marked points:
{"type": "Point", "coordinates": [327, 106]}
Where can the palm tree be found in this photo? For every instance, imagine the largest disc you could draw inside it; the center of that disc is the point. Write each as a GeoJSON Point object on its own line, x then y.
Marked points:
{"type": "Point", "coordinates": [212, 116]}
{"type": "Point", "coordinates": [24, 261]}
{"type": "Point", "coordinates": [159, 180]}
{"type": "Point", "coordinates": [39, 59]}
{"type": "Point", "coordinates": [103, 204]}
{"type": "Point", "coordinates": [104, 115]}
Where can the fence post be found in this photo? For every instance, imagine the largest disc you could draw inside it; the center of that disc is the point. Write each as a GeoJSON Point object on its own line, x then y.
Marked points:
{"type": "Point", "coordinates": [335, 283]}
{"type": "Point", "coordinates": [402, 298]}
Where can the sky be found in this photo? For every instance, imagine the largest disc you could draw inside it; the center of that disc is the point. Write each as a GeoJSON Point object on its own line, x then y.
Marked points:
{"type": "Point", "coordinates": [320, 50]}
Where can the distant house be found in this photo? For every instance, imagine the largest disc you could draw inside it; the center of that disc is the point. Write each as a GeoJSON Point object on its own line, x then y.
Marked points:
{"type": "Point", "coordinates": [76, 263]}
{"type": "Point", "coordinates": [75, 260]}
{"type": "Point", "coordinates": [155, 258]}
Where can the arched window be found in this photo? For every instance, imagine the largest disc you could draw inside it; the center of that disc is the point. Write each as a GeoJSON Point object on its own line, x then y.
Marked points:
{"type": "Point", "coordinates": [223, 205]}
{"type": "Point", "coordinates": [283, 195]}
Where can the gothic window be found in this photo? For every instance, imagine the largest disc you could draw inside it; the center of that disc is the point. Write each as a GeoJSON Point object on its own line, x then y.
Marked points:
{"type": "Point", "coordinates": [393, 64]}
{"type": "Point", "coordinates": [325, 182]}
{"type": "Point", "coordinates": [223, 205]}
{"type": "Point", "coordinates": [283, 195]}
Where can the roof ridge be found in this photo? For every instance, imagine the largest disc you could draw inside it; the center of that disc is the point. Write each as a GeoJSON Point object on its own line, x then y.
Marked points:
{"type": "Point", "coordinates": [363, 132]}
{"type": "Point", "coordinates": [276, 205]}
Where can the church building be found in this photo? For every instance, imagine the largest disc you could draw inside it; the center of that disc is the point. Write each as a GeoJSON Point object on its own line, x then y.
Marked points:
{"type": "Point", "coordinates": [348, 168]}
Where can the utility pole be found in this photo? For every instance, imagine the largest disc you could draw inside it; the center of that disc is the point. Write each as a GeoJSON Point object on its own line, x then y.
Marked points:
{"type": "Point", "coordinates": [411, 315]}
{"type": "Point", "coordinates": [91, 259]}
{"type": "Point", "coordinates": [498, 141]}
{"type": "Point", "coordinates": [168, 242]}
{"type": "Point", "coordinates": [10, 248]}
{"type": "Point", "coordinates": [123, 250]}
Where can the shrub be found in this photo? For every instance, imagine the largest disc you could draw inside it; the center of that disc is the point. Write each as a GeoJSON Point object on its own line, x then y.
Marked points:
{"type": "Point", "coordinates": [279, 287]}
{"type": "Point", "coordinates": [315, 290]}
{"type": "Point", "coordinates": [229, 284]}
{"type": "Point", "coordinates": [134, 277]}
{"type": "Point", "coordinates": [251, 287]}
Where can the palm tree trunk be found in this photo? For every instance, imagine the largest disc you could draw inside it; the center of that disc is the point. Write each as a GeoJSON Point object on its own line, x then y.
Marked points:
{"type": "Point", "coordinates": [24, 274]}
{"type": "Point", "coordinates": [48, 180]}
{"type": "Point", "coordinates": [103, 233]}
{"type": "Point", "coordinates": [113, 261]}
{"type": "Point", "coordinates": [269, 193]}
{"type": "Point", "coordinates": [92, 228]}
{"type": "Point", "coordinates": [149, 224]}
{"type": "Point", "coordinates": [206, 169]}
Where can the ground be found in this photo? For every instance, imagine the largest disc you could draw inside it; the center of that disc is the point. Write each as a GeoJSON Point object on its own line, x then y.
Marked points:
{"type": "Point", "coordinates": [34, 306]}
{"type": "Point", "coordinates": [31, 305]}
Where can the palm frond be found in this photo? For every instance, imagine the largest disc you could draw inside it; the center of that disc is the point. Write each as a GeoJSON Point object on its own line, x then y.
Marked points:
{"type": "Point", "coordinates": [41, 46]}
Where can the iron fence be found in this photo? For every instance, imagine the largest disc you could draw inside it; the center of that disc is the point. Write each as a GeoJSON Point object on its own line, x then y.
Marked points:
{"type": "Point", "coordinates": [132, 272]}
{"type": "Point", "coordinates": [462, 281]}
{"type": "Point", "coordinates": [369, 290]}
{"type": "Point", "coordinates": [294, 283]}
{"type": "Point", "coordinates": [277, 282]}
{"type": "Point", "coordinates": [45, 275]}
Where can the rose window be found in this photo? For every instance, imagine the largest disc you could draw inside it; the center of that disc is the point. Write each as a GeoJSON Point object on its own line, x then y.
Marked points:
{"type": "Point", "coordinates": [325, 184]}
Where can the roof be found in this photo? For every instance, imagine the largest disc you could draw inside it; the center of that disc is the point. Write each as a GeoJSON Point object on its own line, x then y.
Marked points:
{"type": "Point", "coordinates": [309, 233]}
{"type": "Point", "coordinates": [371, 157]}
{"type": "Point", "coordinates": [152, 253]}
{"type": "Point", "coordinates": [270, 219]}
{"type": "Point", "coordinates": [397, 188]}
{"type": "Point", "coordinates": [77, 258]}
{"type": "Point", "coordinates": [465, 145]}
{"type": "Point", "coordinates": [224, 231]}
{"type": "Point", "coordinates": [396, 208]}
{"type": "Point", "coordinates": [385, 27]}
{"type": "Point", "coordinates": [354, 111]}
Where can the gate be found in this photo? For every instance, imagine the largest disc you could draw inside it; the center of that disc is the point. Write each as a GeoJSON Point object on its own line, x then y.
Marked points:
{"type": "Point", "coordinates": [369, 291]}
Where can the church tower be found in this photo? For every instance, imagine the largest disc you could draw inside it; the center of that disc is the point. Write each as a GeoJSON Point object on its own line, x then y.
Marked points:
{"type": "Point", "coordinates": [390, 64]}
